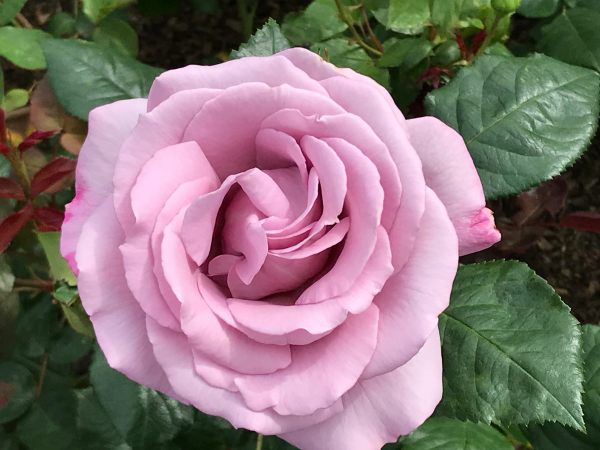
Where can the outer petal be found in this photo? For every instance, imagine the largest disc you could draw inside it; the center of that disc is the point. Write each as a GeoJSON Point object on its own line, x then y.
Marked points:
{"type": "Point", "coordinates": [109, 126]}
{"type": "Point", "coordinates": [173, 352]}
{"type": "Point", "coordinates": [273, 71]}
{"type": "Point", "coordinates": [119, 322]}
{"type": "Point", "coordinates": [412, 299]}
{"type": "Point", "coordinates": [380, 409]}
{"type": "Point", "coordinates": [450, 172]}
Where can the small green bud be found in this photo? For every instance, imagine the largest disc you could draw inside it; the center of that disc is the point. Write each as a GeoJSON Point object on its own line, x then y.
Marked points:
{"type": "Point", "coordinates": [505, 6]}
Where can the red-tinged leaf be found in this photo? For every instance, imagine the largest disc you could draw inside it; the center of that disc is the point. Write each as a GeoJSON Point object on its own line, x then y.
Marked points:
{"type": "Point", "coordinates": [48, 219]}
{"type": "Point", "coordinates": [2, 126]}
{"type": "Point", "coordinates": [11, 189]}
{"type": "Point", "coordinates": [51, 173]}
{"type": "Point", "coordinates": [12, 224]}
{"type": "Point", "coordinates": [34, 138]}
{"type": "Point", "coordinates": [477, 41]}
{"type": "Point", "coordinates": [4, 149]}
{"type": "Point", "coordinates": [464, 51]}
{"type": "Point", "coordinates": [582, 221]}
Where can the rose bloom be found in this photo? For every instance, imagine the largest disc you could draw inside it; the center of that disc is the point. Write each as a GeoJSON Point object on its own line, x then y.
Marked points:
{"type": "Point", "coordinates": [271, 241]}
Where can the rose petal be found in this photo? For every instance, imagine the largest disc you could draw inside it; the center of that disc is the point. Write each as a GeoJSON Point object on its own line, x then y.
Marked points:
{"type": "Point", "coordinates": [450, 172]}
{"type": "Point", "coordinates": [242, 108]}
{"type": "Point", "coordinates": [173, 352]}
{"type": "Point", "coordinates": [299, 389]}
{"type": "Point", "coordinates": [109, 126]}
{"type": "Point", "coordinates": [272, 71]}
{"type": "Point", "coordinates": [116, 316]}
{"type": "Point", "coordinates": [413, 298]}
{"type": "Point", "coordinates": [380, 409]}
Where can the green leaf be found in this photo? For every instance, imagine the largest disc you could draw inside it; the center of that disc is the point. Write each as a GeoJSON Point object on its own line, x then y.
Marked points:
{"type": "Point", "coordinates": [344, 53]}
{"type": "Point", "coordinates": [22, 47]}
{"type": "Point", "coordinates": [511, 349]}
{"type": "Point", "coordinates": [84, 75]}
{"type": "Point", "coordinates": [573, 37]}
{"type": "Point", "coordinates": [69, 347]}
{"type": "Point", "coordinates": [17, 390]}
{"type": "Point", "coordinates": [50, 423]}
{"type": "Point", "coordinates": [451, 434]}
{"type": "Point", "coordinates": [408, 16]}
{"type": "Point", "coordinates": [538, 8]}
{"type": "Point", "coordinates": [62, 24]}
{"type": "Point", "coordinates": [318, 22]}
{"type": "Point", "coordinates": [9, 9]}
{"type": "Point", "coordinates": [59, 268]}
{"type": "Point", "coordinates": [96, 10]}
{"type": "Point", "coordinates": [405, 53]}
{"type": "Point", "coordinates": [94, 428]}
{"type": "Point", "coordinates": [7, 441]}
{"type": "Point", "coordinates": [78, 318]}
{"type": "Point", "coordinates": [552, 436]}
{"type": "Point", "coordinates": [524, 120]}
{"type": "Point", "coordinates": [591, 4]}
{"type": "Point", "coordinates": [118, 35]}
{"type": "Point", "coordinates": [35, 327]}
{"type": "Point", "coordinates": [15, 98]}
{"type": "Point", "coordinates": [143, 417]}
{"type": "Point", "coordinates": [268, 40]}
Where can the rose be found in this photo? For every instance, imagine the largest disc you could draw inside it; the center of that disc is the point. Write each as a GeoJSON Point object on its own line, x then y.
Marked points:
{"type": "Point", "coordinates": [270, 240]}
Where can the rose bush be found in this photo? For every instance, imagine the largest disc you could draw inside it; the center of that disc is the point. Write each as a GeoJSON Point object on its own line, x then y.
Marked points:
{"type": "Point", "coordinates": [272, 242]}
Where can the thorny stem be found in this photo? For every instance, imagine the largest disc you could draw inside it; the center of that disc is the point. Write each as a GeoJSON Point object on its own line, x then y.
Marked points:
{"type": "Point", "coordinates": [20, 112]}
{"type": "Point", "coordinates": [18, 165]}
{"type": "Point", "coordinates": [43, 285]}
{"type": "Point", "coordinates": [246, 16]}
{"type": "Point", "coordinates": [372, 35]}
{"type": "Point", "coordinates": [489, 36]}
{"type": "Point", "coordinates": [347, 19]}
{"type": "Point", "coordinates": [22, 21]}
{"type": "Point", "coordinates": [40, 384]}
{"type": "Point", "coordinates": [259, 441]}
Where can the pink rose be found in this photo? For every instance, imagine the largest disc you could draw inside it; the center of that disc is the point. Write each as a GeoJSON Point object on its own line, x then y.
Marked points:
{"type": "Point", "coordinates": [272, 242]}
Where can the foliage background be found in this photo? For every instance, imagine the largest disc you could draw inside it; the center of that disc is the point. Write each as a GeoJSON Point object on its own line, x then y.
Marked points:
{"type": "Point", "coordinates": [56, 390]}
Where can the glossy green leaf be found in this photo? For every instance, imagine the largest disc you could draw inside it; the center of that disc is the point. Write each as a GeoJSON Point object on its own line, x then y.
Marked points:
{"type": "Point", "coordinates": [62, 24]}
{"type": "Point", "coordinates": [405, 53]}
{"type": "Point", "coordinates": [344, 53]}
{"type": "Point", "coordinates": [22, 47]}
{"type": "Point", "coordinates": [524, 120]}
{"type": "Point", "coordinates": [84, 75]}
{"type": "Point", "coordinates": [35, 327]}
{"type": "Point", "coordinates": [59, 268]}
{"type": "Point", "coordinates": [538, 8]}
{"type": "Point", "coordinates": [318, 22]}
{"type": "Point", "coordinates": [9, 9]}
{"type": "Point", "coordinates": [591, 4]}
{"type": "Point", "coordinates": [15, 98]}
{"type": "Point", "coordinates": [266, 41]}
{"type": "Point", "coordinates": [408, 16]}
{"type": "Point", "coordinates": [69, 347]}
{"type": "Point", "coordinates": [118, 35]}
{"type": "Point", "coordinates": [17, 390]}
{"type": "Point", "coordinates": [573, 37]}
{"type": "Point", "coordinates": [511, 349]}
{"type": "Point", "coordinates": [78, 318]}
{"type": "Point", "coordinates": [95, 431]}
{"type": "Point", "coordinates": [142, 416]}
{"type": "Point", "coordinates": [50, 423]}
{"type": "Point", "coordinates": [96, 10]}
{"type": "Point", "coordinates": [452, 434]}
{"type": "Point", "coordinates": [552, 436]}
